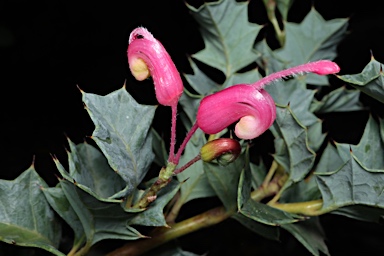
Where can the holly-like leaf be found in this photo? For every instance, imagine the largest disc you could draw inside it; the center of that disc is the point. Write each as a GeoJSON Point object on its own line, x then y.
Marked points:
{"type": "Point", "coordinates": [196, 183]}
{"type": "Point", "coordinates": [310, 234]}
{"type": "Point", "coordinates": [343, 181]}
{"type": "Point", "coordinates": [95, 216]}
{"type": "Point", "coordinates": [153, 215]}
{"type": "Point", "coordinates": [339, 100]}
{"type": "Point", "coordinates": [299, 98]}
{"type": "Point", "coordinates": [199, 81]}
{"type": "Point", "coordinates": [224, 180]}
{"type": "Point", "coordinates": [316, 136]}
{"type": "Point", "coordinates": [370, 81]}
{"type": "Point", "coordinates": [291, 145]}
{"type": "Point", "coordinates": [26, 219]}
{"type": "Point", "coordinates": [122, 133]}
{"type": "Point", "coordinates": [228, 35]}
{"type": "Point", "coordinates": [313, 39]}
{"type": "Point", "coordinates": [369, 151]}
{"type": "Point", "coordinates": [58, 201]}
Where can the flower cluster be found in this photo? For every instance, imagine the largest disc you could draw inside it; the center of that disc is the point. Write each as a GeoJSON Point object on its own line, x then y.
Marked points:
{"type": "Point", "coordinates": [249, 105]}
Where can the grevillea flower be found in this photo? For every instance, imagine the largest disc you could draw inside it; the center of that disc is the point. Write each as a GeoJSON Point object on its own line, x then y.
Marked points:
{"type": "Point", "coordinates": [148, 57]}
{"type": "Point", "coordinates": [250, 104]}
{"type": "Point", "coordinates": [255, 109]}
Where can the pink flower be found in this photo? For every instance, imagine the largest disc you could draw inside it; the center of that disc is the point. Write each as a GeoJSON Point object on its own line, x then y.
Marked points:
{"type": "Point", "coordinates": [255, 109]}
{"type": "Point", "coordinates": [250, 104]}
{"type": "Point", "coordinates": [148, 57]}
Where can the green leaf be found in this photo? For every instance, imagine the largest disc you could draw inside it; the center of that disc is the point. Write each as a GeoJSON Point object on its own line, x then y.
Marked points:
{"type": "Point", "coordinates": [313, 39]}
{"type": "Point", "coordinates": [224, 180]}
{"type": "Point", "coordinates": [291, 145]}
{"type": "Point", "coordinates": [95, 216]}
{"type": "Point", "coordinates": [122, 133]}
{"type": "Point", "coordinates": [315, 135]}
{"type": "Point", "coordinates": [310, 234]}
{"type": "Point", "coordinates": [350, 183]}
{"type": "Point", "coordinates": [58, 201]}
{"type": "Point", "coordinates": [369, 151]}
{"type": "Point", "coordinates": [299, 98]}
{"type": "Point", "coordinates": [199, 81]}
{"type": "Point", "coordinates": [339, 100]}
{"type": "Point", "coordinates": [196, 183]}
{"type": "Point", "coordinates": [370, 81]}
{"type": "Point", "coordinates": [153, 215]}
{"type": "Point", "coordinates": [227, 34]}
{"type": "Point", "coordinates": [26, 218]}
{"type": "Point", "coordinates": [258, 211]}
{"type": "Point", "coordinates": [90, 171]}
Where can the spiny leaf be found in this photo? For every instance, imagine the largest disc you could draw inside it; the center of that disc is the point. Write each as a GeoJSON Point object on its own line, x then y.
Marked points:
{"type": "Point", "coordinates": [370, 150]}
{"type": "Point", "coordinates": [199, 81]}
{"type": "Point", "coordinates": [299, 98]}
{"type": "Point", "coordinates": [95, 216]}
{"type": "Point", "coordinates": [56, 198]}
{"type": "Point", "coordinates": [291, 145]}
{"type": "Point", "coordinates": [122, 133]}
{"type": "Point", "coordinates": [227, 34]}
{"type": "Point", "coordinates": [26, 218]}
{"type": "Point", "coordinates": [339, 100]}
{"type": "Point", "coordinates": [369, 81]}
{"type": "Point", "coordinates": [313, 39]}
{"type": "Point", "coordinates": [348, 183]}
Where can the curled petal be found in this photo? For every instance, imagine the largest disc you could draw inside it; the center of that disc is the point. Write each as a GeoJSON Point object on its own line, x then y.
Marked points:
{"type": "Point", "coordinates": [148, 57]}
{"type": "Point", "coordinates": [255, 109]}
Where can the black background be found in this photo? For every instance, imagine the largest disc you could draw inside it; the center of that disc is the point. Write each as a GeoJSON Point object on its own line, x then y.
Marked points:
{"type": "Point", "coordinates": [50, 48]}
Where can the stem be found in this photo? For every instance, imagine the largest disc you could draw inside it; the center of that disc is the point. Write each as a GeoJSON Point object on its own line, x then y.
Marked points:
{"type": "Point", "coordinates": [270, 6]}
{"type": "Point", "coordinates": [270, 174]}
{"type": "Point", "coordinates": [163, 235]}
{"type": "Point", "coordinates": [191, 162]}
{"type": "Point", "coordinates": [164, 178]}
{"type": "Point", "coordinates": [184, 144]}
{"type": "Point", "coordinates": [173, 134]}
{"type": "Point", "coordinates": [310, 208]}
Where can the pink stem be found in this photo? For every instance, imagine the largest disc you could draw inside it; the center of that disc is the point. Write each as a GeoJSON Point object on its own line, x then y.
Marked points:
{"type": "Point", "coordinates": [191, 162]}
{"type": "Point", "coordinates": [171, 157]}
{"type": "Point", "coordinates": [321, 67]}
{"type": "Point", "coordinates": [182, 146]}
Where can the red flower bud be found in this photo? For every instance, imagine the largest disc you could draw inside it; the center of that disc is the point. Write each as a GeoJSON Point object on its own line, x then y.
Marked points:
{"type": "Point", "coordinates": [224, 150]}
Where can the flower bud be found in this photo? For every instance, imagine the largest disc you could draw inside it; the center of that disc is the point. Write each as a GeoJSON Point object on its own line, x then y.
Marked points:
{"type": "Point", "coordinates": [148, 57]}
{"type": "Point", "coordinates": [224, 150]}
